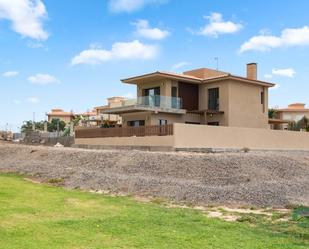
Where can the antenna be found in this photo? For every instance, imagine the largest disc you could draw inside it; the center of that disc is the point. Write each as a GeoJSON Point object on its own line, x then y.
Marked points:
{"type": "Point", "coordinates": [217, 60]}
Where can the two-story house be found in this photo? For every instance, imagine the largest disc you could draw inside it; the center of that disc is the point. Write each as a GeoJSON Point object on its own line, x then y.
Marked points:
{"type": "Point", "coordinates": [200, 96]}
{"type": "Point", "coordinates": [293, 113]}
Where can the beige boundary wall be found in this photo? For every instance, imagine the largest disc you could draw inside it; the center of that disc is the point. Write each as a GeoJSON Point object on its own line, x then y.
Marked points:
{"type": "Point", "coordinates": [128, 141]}
{"type": "Point", "coordinates": [199, 136]}
{"type": "Point", "coordinates": [188, 136]}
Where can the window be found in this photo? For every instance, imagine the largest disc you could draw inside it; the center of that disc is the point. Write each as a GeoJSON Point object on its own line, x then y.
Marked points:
{"type": "Point", "coordinates": [263, 100]}
{"type": "Point", "coordinates": [213, 99]}
{"type": "Point", "coordinates": [136, 123]}
{"type": "Point", "coordinates": [162, 122]}
{"type": "Point", "coordinates": [174, 97]}
{"type": "Point", "coordinates": [152, 96]}
{"type": "Point", "coordinates": [213, 123]}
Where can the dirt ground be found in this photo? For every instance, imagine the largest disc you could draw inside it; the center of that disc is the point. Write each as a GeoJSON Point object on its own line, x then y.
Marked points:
{"type": "Point", "coordinates": [256, 178]}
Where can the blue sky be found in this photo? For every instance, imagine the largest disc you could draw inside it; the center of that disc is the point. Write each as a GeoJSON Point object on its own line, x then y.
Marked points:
{"type": "Point", "coordinates": [72, 54]}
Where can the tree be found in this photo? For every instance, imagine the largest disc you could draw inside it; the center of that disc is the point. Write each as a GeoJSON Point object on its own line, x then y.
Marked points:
{"type": "Point", "coordinates": [272, 113]}
{"type": "Point", "coordinates": [54, 124]}
{"type": "Point", "coordinates": [28, 126]}
{"type": "Point", "coordinates": [39, 126]}
{"type": "Point", "coordinates": [302, 124]}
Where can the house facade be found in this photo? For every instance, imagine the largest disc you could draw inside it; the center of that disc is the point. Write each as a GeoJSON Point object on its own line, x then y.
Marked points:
{"type": "Point", "coordinates": [200, 96]}
{"type": "Point", "coordinates": [293, 113]}
{"type": "Point", "coordinates": [67, 117]}
{"type": "Point", "coordinates": [112, 102]}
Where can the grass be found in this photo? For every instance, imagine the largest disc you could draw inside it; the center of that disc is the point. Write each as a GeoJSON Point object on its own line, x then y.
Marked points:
{"type": "Point", "coordinates": [40, 216]}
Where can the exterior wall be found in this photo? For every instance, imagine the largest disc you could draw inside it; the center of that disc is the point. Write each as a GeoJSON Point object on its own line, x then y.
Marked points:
{"type": "Point", "coordinates": [128, 141]}
{"type": "Point", "coordinates": [245, 108]}
{"type": "Point", "coordinates": [175, 118]}
{"type": "Point", "coordinates": [202, 136]}
{"type": "Point", "coordinates": [165, 87]}
{"type": "Point", "coordinates": [223, 102]}
{"type": "Point", "coordinates": [136, 116]}
{"type": "Point", "coordinates": [153, 118]}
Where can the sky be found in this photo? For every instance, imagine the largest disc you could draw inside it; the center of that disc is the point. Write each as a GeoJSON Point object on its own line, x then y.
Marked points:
{"type": "Point", "coordinates": [71, 54]}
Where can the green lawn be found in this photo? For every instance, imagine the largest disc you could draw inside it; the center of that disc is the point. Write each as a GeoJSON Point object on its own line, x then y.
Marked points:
{"type": "Point", "coordinates": [39, 216]}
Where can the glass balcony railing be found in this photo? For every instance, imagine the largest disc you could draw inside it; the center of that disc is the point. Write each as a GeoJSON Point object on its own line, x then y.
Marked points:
{"type": "Point", "coordinates": [155, 101]}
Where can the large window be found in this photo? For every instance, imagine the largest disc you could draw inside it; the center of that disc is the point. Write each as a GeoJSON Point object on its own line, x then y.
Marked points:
{"type": "Point", "coordinates": [152, 96]}
{"type": "Point", "coordinates": [174, 97]}
{"type": "Point", "coordinates": [136, 123]}
{"type": "Point", "coordinates": [213, 99]}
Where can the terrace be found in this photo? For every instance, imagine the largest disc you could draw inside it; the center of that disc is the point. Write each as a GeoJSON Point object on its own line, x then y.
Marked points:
{"type": "Point", "coordinates": [153, 103]}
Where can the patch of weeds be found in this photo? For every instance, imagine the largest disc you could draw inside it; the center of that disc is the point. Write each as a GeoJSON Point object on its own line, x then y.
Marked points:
{"type": "Point", "coordinates": [301, 216]}
{"type": "Point", "coordinates": [246, 149]}
{"type": "Point", "coordinates": [247, 218]}
{"type": "Point", "coordinates": [276, 216]}
{"type": "Point", "coordinates": [253, 208]}
{"type": "Point", "coordinates": [56, 181]}
{"type": "Point", "coordinates": [157, 200]}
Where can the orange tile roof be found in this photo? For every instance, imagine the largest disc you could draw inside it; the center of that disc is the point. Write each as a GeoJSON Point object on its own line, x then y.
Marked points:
{"type": "Point", "coordinates": [219, 75]}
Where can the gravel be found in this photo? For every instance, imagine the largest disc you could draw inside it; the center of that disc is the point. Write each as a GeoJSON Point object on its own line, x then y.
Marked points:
{"type": "Point", "coordinates": [264, 179]}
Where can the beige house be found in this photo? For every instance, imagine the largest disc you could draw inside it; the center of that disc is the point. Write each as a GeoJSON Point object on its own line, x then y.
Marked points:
{"type": "Point", "coordinates": [293, 113]}
{"type": "Point", "coordinates": [61, 115]}
{"type": "Point", "coordinates": [200, 96]}
{"type": "Point", "coordinates": [112, 102]}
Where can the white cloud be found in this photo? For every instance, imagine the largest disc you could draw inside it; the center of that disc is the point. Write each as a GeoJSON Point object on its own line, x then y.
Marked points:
{"type": "Point", "coordinates": [33, 100]}
{"type": "Point", "coordinates": [268, 76]}
{"type": "Point", "coordinates": [289, 37]}
{"type": "Point", "coordinates": [275, 87]}
{"type": "Point", "coordinates": [144, 30]}
{"type": "Point", "coordinates": [10, 74]}
{"type": "Point", "coordinates": [43, 79]}
{"type": "Point", "coordinates": [26, 17]}
{"type": "Point", "coordinates": [179, 65]}
{"type": "Point", "coordinates": [129, 6]}
{"type": "Point", "coordinates": [218, 26]}
{"type": "Point", "coordinates": [286, 72]}
{"type": "Point", "coordinates": [119, 51]}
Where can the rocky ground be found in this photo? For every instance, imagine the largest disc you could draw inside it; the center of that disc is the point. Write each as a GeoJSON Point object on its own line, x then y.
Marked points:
{"type": "Point", "coordinates": [255, 178]}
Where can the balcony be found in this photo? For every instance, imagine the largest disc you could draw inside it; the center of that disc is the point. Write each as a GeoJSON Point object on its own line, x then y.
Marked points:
{"type": "Point", "coordinates": [155, 103]}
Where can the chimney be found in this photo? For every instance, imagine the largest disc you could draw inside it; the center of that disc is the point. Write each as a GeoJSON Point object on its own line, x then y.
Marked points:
{"type": "Point", "coordinates": [252, 71]}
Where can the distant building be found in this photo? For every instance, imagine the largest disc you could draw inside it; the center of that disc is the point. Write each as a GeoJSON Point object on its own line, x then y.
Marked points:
{"type": "Point", "coordinates": [94, 117]}
{"type": "Point", "coordinates": [112, 102]}
{"type": "Point", "coordinates": [293, 113]}
{"type": "Point", "coordinates": [61, 115]}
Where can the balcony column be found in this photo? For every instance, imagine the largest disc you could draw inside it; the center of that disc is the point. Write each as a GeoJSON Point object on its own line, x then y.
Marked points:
{"type": "Point", "coordinates": [204, 116]}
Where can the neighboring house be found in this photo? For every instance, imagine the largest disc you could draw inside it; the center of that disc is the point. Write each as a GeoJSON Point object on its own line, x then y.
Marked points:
{"type": "Point", "coordinates": [293, 113]}
{"type": "Point", "coordinates": [200, 96]}
{"type": "Point", "coordinates": [61, 115]}
{"type": "Point", "coordinates": [89, 118]}
{"type": "Point", "coordinates": [112, 103]}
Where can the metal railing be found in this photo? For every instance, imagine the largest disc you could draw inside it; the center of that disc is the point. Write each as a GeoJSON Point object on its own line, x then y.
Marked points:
{"type": "Point", "coordinates": [156, 101]}
{"type": "Point", "coordinates": [141, 131]}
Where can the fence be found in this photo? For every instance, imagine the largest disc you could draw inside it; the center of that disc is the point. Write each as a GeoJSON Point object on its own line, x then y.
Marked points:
{"type": "Point", "coordinates": [141, 131]}
{"type": "Point", "coordinates": [46, 138]}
